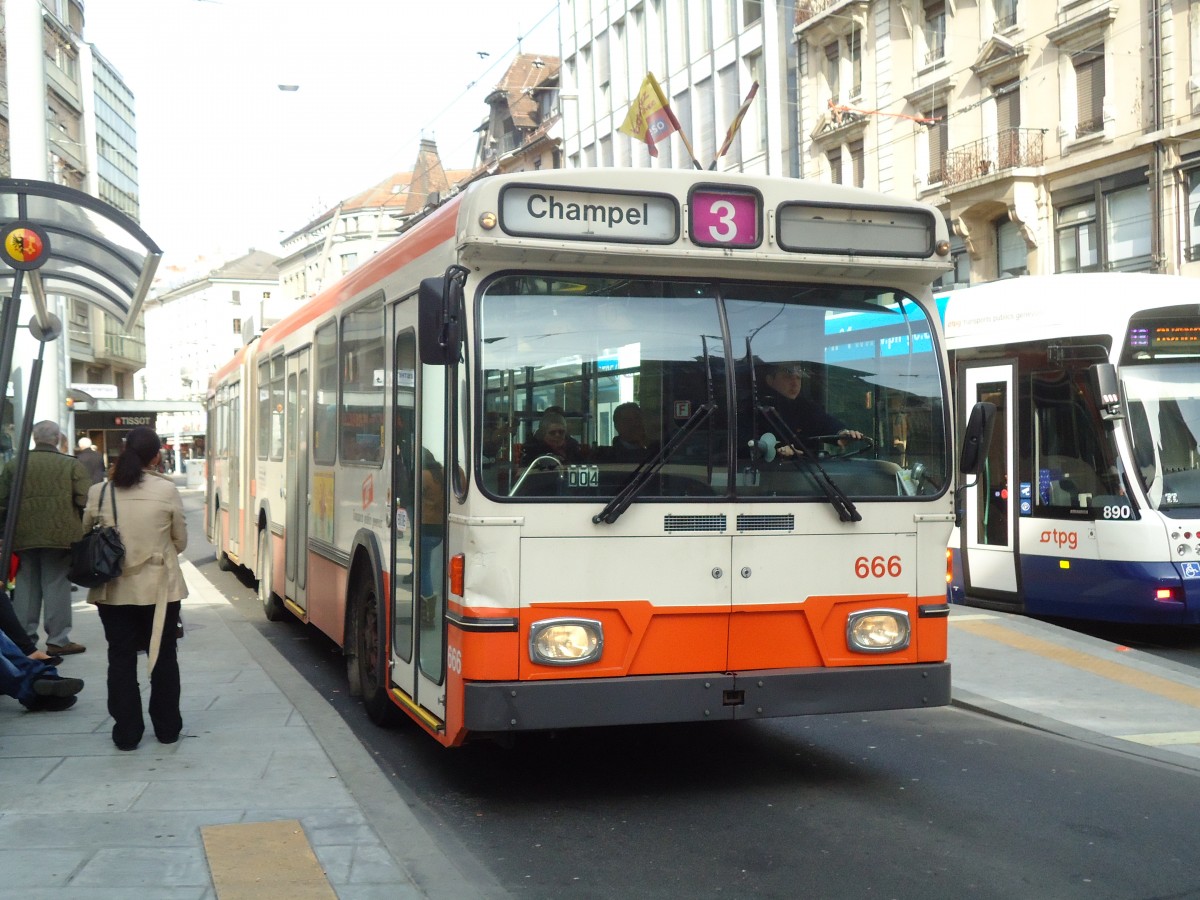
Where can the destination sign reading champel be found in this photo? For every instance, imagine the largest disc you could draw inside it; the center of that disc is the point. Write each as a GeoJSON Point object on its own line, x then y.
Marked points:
{"type": "Point", "coordinates": [534, 211]}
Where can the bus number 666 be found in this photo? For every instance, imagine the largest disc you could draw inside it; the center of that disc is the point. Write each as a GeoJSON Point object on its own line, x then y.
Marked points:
{"type": "Point", "coordinates": [877, 567]}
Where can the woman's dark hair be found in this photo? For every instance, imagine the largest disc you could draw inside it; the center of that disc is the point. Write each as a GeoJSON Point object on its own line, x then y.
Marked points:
{"type": "Point", "coordinates": [141, 446]}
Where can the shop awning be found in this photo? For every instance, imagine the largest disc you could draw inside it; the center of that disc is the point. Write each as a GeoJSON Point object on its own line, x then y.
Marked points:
{"type": "Point", "coordinates": [67, 242]}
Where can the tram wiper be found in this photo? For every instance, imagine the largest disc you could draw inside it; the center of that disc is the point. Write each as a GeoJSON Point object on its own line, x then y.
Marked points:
{"type": "Point", "coordinates": [644, 472]}
{"type": "Point", "coordinates": [837, 498]}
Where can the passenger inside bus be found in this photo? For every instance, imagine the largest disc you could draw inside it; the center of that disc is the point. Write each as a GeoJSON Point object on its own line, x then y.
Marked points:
{"type": "Point", "coordinates": [780, 387]}
{"type": "Point", "coordinates": [495, 437]}
{"type": "Point", "coordinates": [552, 439]}
{"type": "Point", "coordinates": [433, 535]}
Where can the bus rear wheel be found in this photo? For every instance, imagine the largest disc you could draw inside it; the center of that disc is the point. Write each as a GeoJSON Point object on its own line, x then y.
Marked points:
{"type": "Point", "coordinates": [370, 653]}
{"type": "Point", "coordinates": [271, 605]}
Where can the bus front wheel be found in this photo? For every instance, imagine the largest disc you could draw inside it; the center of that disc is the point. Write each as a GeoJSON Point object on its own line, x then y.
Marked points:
{"type": "Point", "coordinates": [370, 653]}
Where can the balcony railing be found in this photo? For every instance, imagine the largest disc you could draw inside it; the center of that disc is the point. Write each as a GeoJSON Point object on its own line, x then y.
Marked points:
{"type": "Point", "coordinates": [1012, 148]}
{"type": "Point", "coordinates": [806, 9]}
{"type": "Point", "coordinates": [122, 348]}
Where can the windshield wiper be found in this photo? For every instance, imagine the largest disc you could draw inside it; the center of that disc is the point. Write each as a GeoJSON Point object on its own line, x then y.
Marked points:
{"type": "Point", "coordinates": [644, 472]}
{"type": "Point", "coordinates": [837, 498]}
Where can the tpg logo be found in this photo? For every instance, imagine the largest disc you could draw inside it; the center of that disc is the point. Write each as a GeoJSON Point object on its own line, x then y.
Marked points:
{"type": "Point", "coordinates": [1068, 539]}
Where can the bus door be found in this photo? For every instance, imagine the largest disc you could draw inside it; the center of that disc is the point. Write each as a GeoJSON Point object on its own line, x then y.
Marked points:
{"type": "Point", "coordinates": [296, 482]}
{"type": "Point", "coordinates": [234, 457]}
{"type": "Point", "coordinates": [419, 497]}
{"type": "Point", "coordinates": [989, 533]}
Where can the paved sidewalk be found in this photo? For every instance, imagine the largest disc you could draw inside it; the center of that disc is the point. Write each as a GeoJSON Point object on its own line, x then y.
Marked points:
{"type": "Point", "coordinates": [81, 819]}
{"type": "Point", "coordinates": [1078, 686]}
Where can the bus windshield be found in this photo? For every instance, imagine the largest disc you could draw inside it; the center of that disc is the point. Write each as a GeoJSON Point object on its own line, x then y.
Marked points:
{"type": "Point", "coordinates": [1163, 404]}
{"type": "Point", "coordinates": [584, 379]}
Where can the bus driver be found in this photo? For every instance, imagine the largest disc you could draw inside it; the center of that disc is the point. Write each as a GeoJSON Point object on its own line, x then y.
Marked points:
{"type": "Point", "coordinates": [783, 382]}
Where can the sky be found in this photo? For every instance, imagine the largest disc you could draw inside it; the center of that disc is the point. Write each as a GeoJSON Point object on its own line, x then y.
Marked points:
{"type": "Point", "coordinates": [227, 161]}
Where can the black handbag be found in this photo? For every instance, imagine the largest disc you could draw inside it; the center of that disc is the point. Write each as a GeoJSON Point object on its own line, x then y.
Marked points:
{"type": "Point", "coordinates": [97, 558]}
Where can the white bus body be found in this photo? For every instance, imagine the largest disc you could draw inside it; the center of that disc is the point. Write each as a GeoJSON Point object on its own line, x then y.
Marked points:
{"type": "Point", "coordinates": [483, 583]}
{"type": "Point", "coordinates": [1090, 505]}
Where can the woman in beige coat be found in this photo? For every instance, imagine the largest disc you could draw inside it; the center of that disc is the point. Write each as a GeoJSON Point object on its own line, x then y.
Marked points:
{"type": "Point", "coordinates": [140, 609]}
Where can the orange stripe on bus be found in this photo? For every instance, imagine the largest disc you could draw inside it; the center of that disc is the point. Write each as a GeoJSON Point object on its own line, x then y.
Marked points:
{"type": "Point", "coordinates": [440, 228]}
{"type": "Point", "coordinates": [640, 639]}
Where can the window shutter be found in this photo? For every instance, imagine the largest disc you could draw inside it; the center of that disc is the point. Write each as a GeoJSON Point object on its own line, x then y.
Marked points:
{"type": "Point", "coordinates": [1008, 107]}
{"type": "Point", "coordinates": [937, 144]}
{"type": "Point", "coordinates": [1089, 89]}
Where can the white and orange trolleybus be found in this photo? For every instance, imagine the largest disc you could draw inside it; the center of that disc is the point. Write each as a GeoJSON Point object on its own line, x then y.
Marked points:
{"type": "Point", "coordinates": [528, 467]}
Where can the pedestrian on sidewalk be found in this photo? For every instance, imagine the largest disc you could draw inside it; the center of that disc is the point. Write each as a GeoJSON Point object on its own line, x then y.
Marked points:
{"type": "Point", "coordinates": [34, 683]}
{"type": "Point", "coordinates": [48, 523]}
{"type": "Point", "coordinates": [12, 628]}
{"type": "Point", "coordinates": [92, 461]}
{"type": "Point", "coordinates": [140, 608]}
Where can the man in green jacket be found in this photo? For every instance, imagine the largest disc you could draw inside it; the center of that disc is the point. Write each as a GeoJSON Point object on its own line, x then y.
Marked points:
{"type": "Point", "coordinates": [49, 521]}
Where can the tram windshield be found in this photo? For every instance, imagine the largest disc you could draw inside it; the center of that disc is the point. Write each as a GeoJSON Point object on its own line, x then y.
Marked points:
{"type": "Point", "coordinates": [1163, 407]}
{"type": "Point", "coordinates": [586, 379]}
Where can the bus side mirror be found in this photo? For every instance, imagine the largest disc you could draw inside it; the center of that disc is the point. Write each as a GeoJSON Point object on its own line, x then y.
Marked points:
{"type": "Point", "coordinates": [440, 317]}
{"type": "Point", "coordinates": [977, 438]}
{"type": "Point", "coordinates": [1102, 378]}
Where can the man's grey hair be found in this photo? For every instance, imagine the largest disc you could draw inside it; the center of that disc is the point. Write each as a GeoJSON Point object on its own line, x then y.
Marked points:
{"type": "Point", "coordinates": [46, 432]}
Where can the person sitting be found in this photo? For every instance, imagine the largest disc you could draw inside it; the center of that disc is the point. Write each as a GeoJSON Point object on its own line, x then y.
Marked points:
{"type": "Point", "coordinates": [630, 443]}
{"type": "Point", "coordinates": [551, 439]}
{"type": "Point", "coordinates": [781, 388]}
{"type": "Point", "coordinates": [495, 437]}
{"type": "Point", "coordinates": [34, 683]}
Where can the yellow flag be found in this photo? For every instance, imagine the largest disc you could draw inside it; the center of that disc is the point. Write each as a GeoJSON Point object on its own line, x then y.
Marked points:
{"type": "Point", "coordinates": [650, 118]}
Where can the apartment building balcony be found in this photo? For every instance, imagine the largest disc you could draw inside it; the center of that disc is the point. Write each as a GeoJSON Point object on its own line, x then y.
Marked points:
{"type": "Point", "coordinates": [1013, 148]}
{"type": "Point", "coordinates": [120, 350]}
{"type": "Point", "coordinates": [810, 9]}
{"type": "Point", "coordinates": [819, 24]}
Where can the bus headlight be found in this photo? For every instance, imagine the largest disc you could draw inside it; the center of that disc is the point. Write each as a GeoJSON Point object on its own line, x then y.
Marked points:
{"type": "Point", "coordinates": [566, 642]}
{"type": "Point", "coordinates": [878, 630]}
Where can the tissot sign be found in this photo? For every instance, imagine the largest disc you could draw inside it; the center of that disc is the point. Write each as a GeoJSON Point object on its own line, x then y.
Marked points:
{"type": "Point", "coordinates": [534, 211]}
{"type": "Point", "coordinates": [114, 420]}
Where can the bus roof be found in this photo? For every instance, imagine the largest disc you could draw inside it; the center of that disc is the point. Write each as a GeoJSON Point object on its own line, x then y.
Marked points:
{"type": "Point", "coordinates": [1034, 307]}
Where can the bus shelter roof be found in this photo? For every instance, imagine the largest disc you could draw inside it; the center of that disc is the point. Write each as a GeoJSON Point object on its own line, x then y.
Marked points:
{"type": "Point", "coordinates": [95, 251]}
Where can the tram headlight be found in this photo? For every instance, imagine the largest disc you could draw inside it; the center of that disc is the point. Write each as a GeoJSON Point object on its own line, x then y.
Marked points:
{"type": "Point", "coordinates": [566, 642]}
{"type": "Point", "coordinates": [878, 630]}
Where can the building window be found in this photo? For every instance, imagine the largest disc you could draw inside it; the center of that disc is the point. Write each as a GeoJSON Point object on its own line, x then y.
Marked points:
{"type": "Point", "coordinates": [1107, 231]}
{"type": "Point", "coordinates": [833, 63]}
{"type": "Point", "coordinates": [854, 51]}
{"type": "Point", "coordinates": [1076, 230]}
{"type": "Point", "coordinates": [1089, 89]}
{"type": "Point", "coordinates": [1012, 256]}
{"type": "Point", "coordinates": [756, 137]}
{"type": "Point", "coordinates": [1006, 14]}
{"type": "Point", "coordinates": [1193, 218]}
{"type": "Point", "coordinates": [835, 165]}
{"type": "Point", "coordinates": [731, 100]}
{"type": "Point", "coordinates": [857, 164]}
{"type": "Point", "coordinates": [1008, 123]}
{"type": "Point", "coordinates": [936, 132]}
{"type": "Point", "coordinates": [960, 275]}
{"type": "Point", "coordinates": [706, 128]}
{"type": "Point", "coordinates": [1127, 229]}
{"type": "Point", "coordinates": [237, 326]}
{"type": "Point", "coordinates": [935, 31]}
{"type": "Point", "coordinates": [751, 11]}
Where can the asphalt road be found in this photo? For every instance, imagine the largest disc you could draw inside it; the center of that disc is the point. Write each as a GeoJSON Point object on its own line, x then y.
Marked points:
{"type": "Point", "coordinates": [933, 803]}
